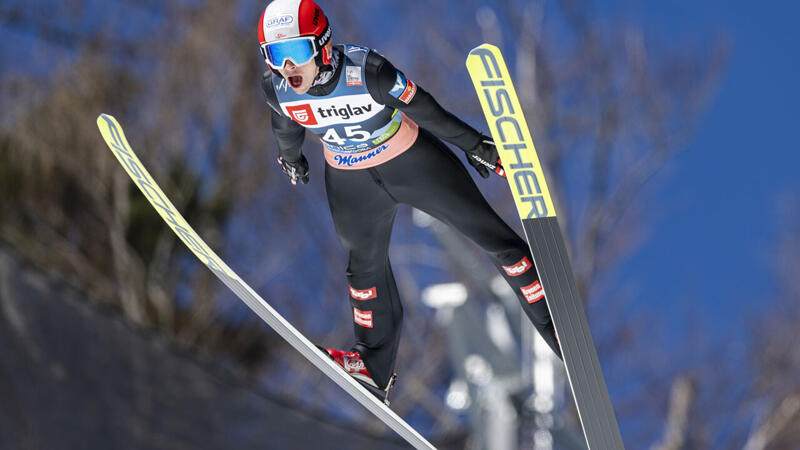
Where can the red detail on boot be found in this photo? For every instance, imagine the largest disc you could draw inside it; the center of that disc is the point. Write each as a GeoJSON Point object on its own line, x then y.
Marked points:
{"type": "Point", "coordinates": [352, 363]}
{"type": "Point", "coordinates": [519, 268]}
{"type": "Point", "coordinates": [533, 292]}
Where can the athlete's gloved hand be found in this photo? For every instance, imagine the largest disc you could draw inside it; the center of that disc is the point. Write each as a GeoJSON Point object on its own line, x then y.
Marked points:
{"type": "Point", "coordinates": [484, 158]}
{"type": "Point", "coordinates": [296, 170]}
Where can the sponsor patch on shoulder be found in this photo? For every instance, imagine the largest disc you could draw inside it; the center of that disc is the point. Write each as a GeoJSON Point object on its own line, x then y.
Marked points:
{"type": "Point", "coordinates": [353, 75]}
{"type": "Point", "coordinates": [400, 84]}
{"type": "Point", "coordinates": [363, 318]}
{"type": "Point", "coordinates": [533, 292]}
{"type": "Point", "coordinates": [408, 94]}
{"type": "Point", "coordinates": [403, 89]}
{"type": "Point", "coordinates": [356, 49]}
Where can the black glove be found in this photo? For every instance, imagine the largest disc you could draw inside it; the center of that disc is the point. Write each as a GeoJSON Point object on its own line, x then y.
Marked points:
{"type": "Point", "coordinates": [297, 170]}
{"type": "Point", "coordinates": [483, 157]}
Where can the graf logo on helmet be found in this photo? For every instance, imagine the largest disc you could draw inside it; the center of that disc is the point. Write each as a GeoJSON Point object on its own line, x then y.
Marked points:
{"type": "Point", "coordinates": [279, 21]}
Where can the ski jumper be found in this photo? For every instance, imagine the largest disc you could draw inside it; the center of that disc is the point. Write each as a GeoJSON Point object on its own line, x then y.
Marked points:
{"type": "Point", "coordinates": [381, 137]}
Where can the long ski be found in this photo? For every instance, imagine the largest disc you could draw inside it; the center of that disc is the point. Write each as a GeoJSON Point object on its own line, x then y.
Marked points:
{"type": "Point", "coordinates": [115, 138]}
{"type": "Point", "coordinates": [509, 129]}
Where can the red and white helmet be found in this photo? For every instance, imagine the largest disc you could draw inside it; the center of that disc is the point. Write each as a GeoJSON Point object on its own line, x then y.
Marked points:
{"type": "Point", "coordinates": [291, 19]}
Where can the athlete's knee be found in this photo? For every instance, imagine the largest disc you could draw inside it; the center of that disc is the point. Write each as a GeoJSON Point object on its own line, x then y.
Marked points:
{"type": "Point", "coordinates": [508, 251]}
{"type": "Point", "coordinates": [539, 315]}
{"type": "Point", "coordinates": [538, 312]}
{"type": "Point", "coordinates": [366, 260]}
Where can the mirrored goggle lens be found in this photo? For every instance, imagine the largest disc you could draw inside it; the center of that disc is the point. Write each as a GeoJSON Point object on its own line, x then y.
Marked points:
{"type": "Point", "coordinates": [299, 51]}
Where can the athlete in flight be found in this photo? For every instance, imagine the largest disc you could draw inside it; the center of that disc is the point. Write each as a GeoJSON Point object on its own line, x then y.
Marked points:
{"type": "Point", "coordinates": [382, 138]}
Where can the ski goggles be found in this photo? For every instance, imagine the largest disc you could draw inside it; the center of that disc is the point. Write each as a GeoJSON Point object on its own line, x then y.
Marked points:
{"type": "Point", "coordinates": [297, 50]}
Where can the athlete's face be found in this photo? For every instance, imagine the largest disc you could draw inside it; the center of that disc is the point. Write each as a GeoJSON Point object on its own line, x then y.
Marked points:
{"type": "Point", "coordinates": [300, 77]}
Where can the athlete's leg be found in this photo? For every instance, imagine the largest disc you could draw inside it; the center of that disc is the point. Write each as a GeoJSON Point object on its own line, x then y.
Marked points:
{"type": "Point", "coordinates": [431, 178]}
{"type": "Point", "coordinates": [363, 213]}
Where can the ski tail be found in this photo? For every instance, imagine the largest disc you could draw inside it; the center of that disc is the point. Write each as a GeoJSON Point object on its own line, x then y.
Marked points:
{"type": "Point", "coordinates": [525, 176]}
{"type": "Point", "coordinates": [115, 138]}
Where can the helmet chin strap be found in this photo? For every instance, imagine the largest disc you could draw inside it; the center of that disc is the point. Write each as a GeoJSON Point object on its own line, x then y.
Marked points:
{"type": "Point", "coordinates": [326, 71]}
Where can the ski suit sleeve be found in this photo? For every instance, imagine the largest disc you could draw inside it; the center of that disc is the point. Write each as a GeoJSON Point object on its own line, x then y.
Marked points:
{"type": "Point", "coordinates": [389, 86]}
{"type": "Point", "coordinates": [288, 133]}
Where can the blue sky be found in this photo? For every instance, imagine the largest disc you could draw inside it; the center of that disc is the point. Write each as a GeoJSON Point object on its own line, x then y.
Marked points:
{"type": "Point", "coordinates": [718, 211]}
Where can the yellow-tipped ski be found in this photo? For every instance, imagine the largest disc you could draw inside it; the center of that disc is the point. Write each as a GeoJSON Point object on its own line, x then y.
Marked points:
{"type": "Point", "coordinates": [535, 206]}
{"type": "Point", "coordinates": [510, 132]}
{"type": "Point", "coordinates": [115, 138]}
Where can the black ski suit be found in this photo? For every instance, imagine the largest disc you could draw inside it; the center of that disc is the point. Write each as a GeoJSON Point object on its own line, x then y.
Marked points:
{"type": "Point", "coordinates": [428, 176]}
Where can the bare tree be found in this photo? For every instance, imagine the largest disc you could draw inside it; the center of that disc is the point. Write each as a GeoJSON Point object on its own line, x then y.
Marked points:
{"type": "Point", "coordinates": [745, 392]}
{"type": "Point", "coordinates": [774, 401]}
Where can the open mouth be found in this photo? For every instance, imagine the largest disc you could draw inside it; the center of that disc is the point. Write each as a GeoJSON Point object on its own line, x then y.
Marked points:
{"type": "Point", "coordinates": [296, 81]}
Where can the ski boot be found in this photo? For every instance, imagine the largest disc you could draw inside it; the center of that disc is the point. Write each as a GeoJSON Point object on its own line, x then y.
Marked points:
{"type": "Point", "coordinates": [352, 363]}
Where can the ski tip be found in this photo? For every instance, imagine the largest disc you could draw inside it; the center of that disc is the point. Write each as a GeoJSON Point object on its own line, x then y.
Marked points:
{"type": "Point", "coordinates": [105, 118]}
{"type": "Point", "coordinates": [484, 46]}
